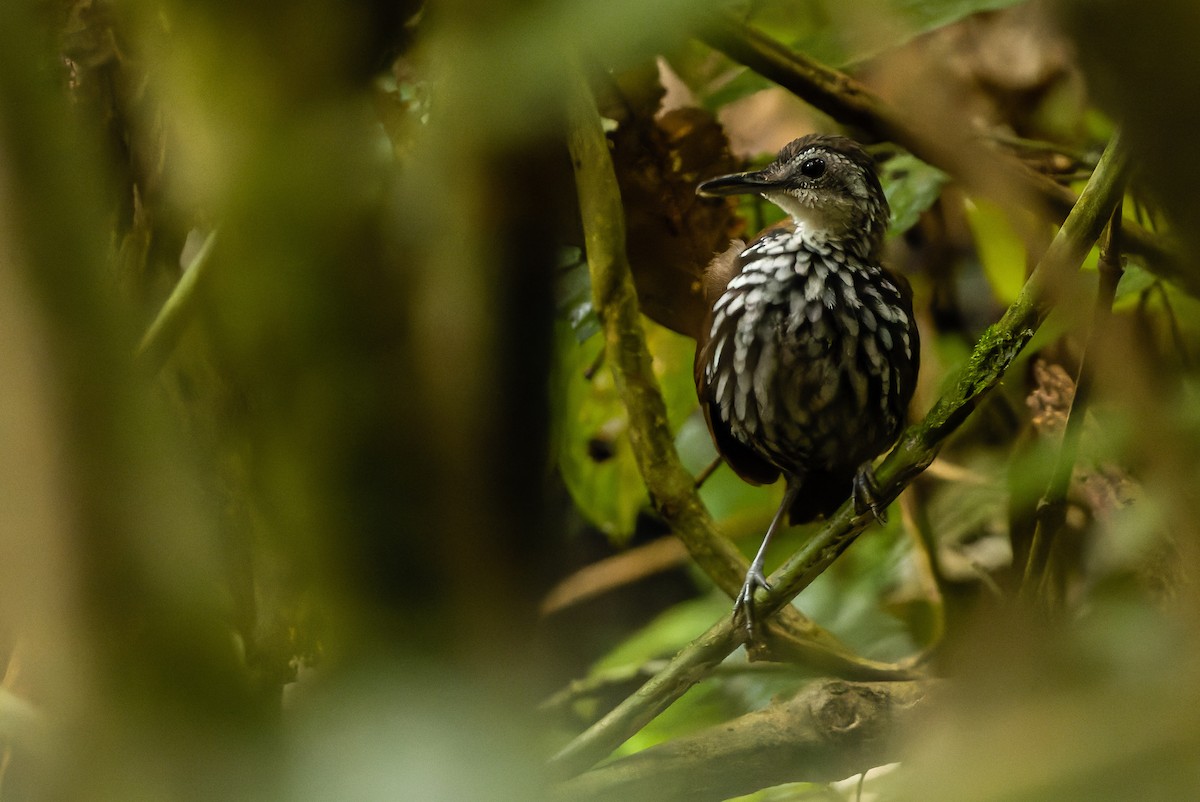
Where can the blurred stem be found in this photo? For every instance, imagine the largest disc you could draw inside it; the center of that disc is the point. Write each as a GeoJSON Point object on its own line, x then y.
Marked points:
{"type": "Point", "coordinates": [981, 168]}
{"type": "Point", "coordinates": [924, 557]}
{"type": "Point", "coordinates": [1042, 146]}
{"type": "Point", "coordinates": [1052, 508]}
{"type": "Point", "coordinates": [918, 447]}
{"type": "Point", "coordinates": [160, 339]}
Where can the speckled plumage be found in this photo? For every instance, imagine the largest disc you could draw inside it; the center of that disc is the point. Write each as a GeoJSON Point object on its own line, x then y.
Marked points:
{"type": "Point", "coordinates": [809, 362]}
{"type": "Point", "coordinates": [811, 350]}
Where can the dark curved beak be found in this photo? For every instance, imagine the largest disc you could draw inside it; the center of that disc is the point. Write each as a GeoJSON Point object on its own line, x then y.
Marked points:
{"type": "Point", "coordinates": [736, 184]}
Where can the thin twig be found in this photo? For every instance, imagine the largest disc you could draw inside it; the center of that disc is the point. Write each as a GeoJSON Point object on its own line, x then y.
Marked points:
{"type": "Point", "coordinates": [918, 446]}
{"type": "Point", "coordinates": [594, 368]}
{"type": "Point", "coordinates": [1042, 146]}
{"type": "Point", "coordinates": [604, 682]}
{"type": "Point", "coordinates": [708, 471]}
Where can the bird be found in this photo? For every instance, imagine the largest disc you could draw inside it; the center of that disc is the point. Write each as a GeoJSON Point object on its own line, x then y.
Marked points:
{"type": "Point", "coordinates": [809, 354]}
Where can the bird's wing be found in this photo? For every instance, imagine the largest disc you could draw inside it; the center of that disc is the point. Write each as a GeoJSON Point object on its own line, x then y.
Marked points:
{"type": "Point", "coordinates": [744, 461]}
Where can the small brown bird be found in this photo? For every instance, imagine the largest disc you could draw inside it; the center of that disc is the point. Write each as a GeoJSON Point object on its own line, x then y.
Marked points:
{"type": "Point", "coordinates": [809, 355]}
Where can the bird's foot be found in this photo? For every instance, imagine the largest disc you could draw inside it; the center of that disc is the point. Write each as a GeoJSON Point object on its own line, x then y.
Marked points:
{"type": "Point", "coordinates": [743, 605]}
{"type": "Point", "coordinates": [866, 494]}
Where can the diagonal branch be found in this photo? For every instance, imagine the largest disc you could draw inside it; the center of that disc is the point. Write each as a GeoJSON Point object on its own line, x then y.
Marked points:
{"type": "Point", "coordinates": [992, 356]}
{"type": "Point", "coordinates": [980, 168]}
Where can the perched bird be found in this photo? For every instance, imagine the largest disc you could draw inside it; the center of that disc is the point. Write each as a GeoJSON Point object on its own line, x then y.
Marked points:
{"type": "Point", "coordinates": [809, 355]}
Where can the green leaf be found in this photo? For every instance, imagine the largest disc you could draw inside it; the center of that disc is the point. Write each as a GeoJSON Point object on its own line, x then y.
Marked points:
{"type": "Point", "coordinates": [595, 457]}
{"type": "Point", "coordinates": [911, 187]}
{"type": "Point", "coordinates": [1001, 251]}
{"type": "Point", "coordinates": [1134, 281]}
{"type": "Point", "coordinates": [744, 84]}
{"type": "Point", "coordinates": [573, 293]}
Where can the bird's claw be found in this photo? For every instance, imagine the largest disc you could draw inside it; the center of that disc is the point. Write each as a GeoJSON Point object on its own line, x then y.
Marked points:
{"type": "Point", "coordinates": [743, 605]}
{"type": "Point", "coordinates": [866, 494]}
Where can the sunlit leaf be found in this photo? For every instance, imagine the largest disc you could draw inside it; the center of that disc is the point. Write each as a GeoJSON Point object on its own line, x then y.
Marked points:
{"type": "Point", "coordinates": [1001, 251]}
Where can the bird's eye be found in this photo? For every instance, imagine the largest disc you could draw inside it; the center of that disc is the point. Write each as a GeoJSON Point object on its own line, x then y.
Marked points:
{"type": "Point", "coordinates": [813, 168]}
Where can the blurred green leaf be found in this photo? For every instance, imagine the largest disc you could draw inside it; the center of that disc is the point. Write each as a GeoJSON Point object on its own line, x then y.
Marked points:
{"type": "Point", "coordinates": [744, 84]}
{"type": "Point", "coordinates": [1001, 251]}
{"type": "Point", "coordinates": [705, 705]}
{"type": "Point", "coordinates": [738, 508]}
{"type": "Point", "coordinates": [1134, 281]}
{"type": "Point", "coordinates": [911, 187]}
{"type": "Point", "coordinates": [836, 34]}
{"type": "Point", "coordinates": [594, 455]}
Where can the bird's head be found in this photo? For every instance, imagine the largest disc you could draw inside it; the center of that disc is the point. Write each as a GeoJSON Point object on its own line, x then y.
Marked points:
{"type": "Point", "coordinates": [828, 184]}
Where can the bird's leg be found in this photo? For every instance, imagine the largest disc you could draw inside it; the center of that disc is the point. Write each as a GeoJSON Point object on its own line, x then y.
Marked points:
{"type": "Point", "coordinates": [866, 493]}
{"type": "Point", "coordinates": [743, 605]}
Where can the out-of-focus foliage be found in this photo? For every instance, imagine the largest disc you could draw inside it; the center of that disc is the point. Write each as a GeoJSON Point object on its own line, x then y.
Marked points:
{"type": "Point", "coordinates": [1001, 252]}
{"type": "Point", "coordinates": [840, 34]}
{"type": "Point", "coordinates": [911, 186]}
{"type": "Point", "coordinates": [291, 543]}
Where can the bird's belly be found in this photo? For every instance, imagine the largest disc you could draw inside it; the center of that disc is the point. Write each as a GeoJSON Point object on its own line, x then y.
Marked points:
{"type": "Point", "coordinates": [811, 392]}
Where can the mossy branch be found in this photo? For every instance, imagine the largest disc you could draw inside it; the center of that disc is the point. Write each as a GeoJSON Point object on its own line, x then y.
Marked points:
{"type": "Point", "coordinates": [828, 731]}
{"type": "Point", "coordinates": [672, 489]}
{"type": "Point", "coordinates": [918, 446]}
